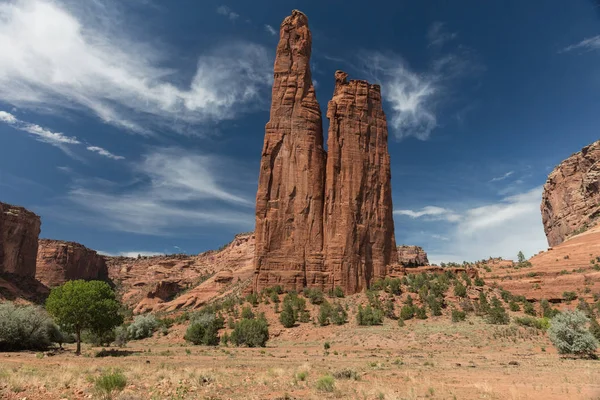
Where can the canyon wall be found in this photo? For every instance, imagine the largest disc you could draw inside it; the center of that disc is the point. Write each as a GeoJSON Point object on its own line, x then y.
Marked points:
{"type": "Point", "coordinates": [412, 256]}
{"type": "Point", "coordinates": [571, 197]}
{"type": "Point", "coordinates": [19, 231]}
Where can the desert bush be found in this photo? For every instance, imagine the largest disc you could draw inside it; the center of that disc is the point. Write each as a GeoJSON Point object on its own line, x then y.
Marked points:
{"type": "Point", "coordinates": [275, 297]}
{"type": "Point", "coordinates": [435, 305]}
{"type": "Point", "coordinates": [339, 315]}
{"type": "Point", "coordinates": [204, 329]}
{"type": "Point", "coordinates": [252, 298]}
{"type": "Point", "coordinates": [110, 383]}
{"type": "Point", "coordinates": [421, 313]}
{"type": "Point", "coordinates": [346, 373]}
{"type": "Point", "coordinates": [407, 312]}
{"type": "Point", "coordinates": [369, 316]}
{"type": "Point", "coordinates": [104, 338]}
{"type": "Point", "coordinates": [497, 314]}
{"type": "Point", "coordinates": [595, 328]}
{"type": "Point", "coordinates": [247, 313]}
{"type": "Point", "coordinates": [538, 323]}
{"type": "Point", "coordinates": [569, 296]}
{"type": "Point", "coordinates": [460, 290]}
{"type": "Point", "coordinates": [394, 287]}
{"type": "Point", "coordinates": [479, 281]}
{"type": "Point", "coordinates": [512, 306]}
{"type": "Point", "coordinates": [529, 309]}
{"type": "Point", "coordinates": [326, 383]}
{"type": "Point", "coordinates": [483, 306]}
{"type": "Point", "coordinates": [251, 332]}
{"type": "Point", "coordinates": [547, 310]}
{"type": "Point", "coordinates": [121, 336]}
{"type": "Point", "coordinates": [569, 333]}
{"type": "Point", "coordinates": [143, 326]}
{"type": "Point", "coordinates": [287, 315]}
{"type": "Point", "coordinates": [458, 316]}
{"type": "Point", "coordinates": [338, 292]}
{"type": "Point", "coordinates": [315, 295]}
{"type": "Point", "coordinates": [324, 314]}
{"type": "Point", "coordinates": [24, 327]}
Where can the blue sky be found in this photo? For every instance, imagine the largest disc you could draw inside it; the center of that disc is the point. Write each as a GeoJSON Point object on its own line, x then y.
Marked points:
{"type": "Point", "coordinates": [137, 126]}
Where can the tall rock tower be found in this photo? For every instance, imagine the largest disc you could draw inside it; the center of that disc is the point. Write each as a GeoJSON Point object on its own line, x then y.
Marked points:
{"type": "Point", "coordinates": [289, 201]}
{"type": "Point", "coordinates": [359, 224]}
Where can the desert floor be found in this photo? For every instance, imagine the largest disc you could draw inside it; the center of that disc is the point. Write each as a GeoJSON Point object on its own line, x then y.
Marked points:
{"type": "Point", "coordinates": [433, 359]}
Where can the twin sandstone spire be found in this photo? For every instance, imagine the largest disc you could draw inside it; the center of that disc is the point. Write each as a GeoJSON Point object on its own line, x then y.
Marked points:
{"type": "Point", "coordinates": [322, 219]}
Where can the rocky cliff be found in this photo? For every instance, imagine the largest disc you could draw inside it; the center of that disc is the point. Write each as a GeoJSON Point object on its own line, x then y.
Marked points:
{"type": "Point", "coordinates": [322, 220]}
{"type": "Point", "coordinates": [289, 201]}
{"type": "Point", "coordinates": [19, 231]}
{"type": "Point", "coordinates": [58, 262]}
{"type": "Point", "coordinates": [412, 256]}
{"type": "Point", "coordinates": [359, 224]}
{"type": "Point", "coordinates": [571, 197]}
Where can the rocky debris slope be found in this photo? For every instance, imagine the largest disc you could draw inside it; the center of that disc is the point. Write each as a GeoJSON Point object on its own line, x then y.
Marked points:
{"type": "Point", "coordinates": [572, 266]}
{"type": "Point", "coordinates": [571, 198]}
{"type": "Point", "coordinates": [412, 256]}
{"type": "Point", "coordinates": [289, 201]}
{"type": "Point", "coordinates": [359, 224]}
{"type": "Point", "coordinates": [322, 220]}
{"type": "Point", "coordinates": [167, 283]}
{"type": "Point", "coordinates": [19, 231]}
{"type": "Point", "coordinates": [59, 261]}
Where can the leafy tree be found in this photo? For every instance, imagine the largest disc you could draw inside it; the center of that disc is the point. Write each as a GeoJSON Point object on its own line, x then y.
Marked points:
{"type": "Point", "coordinates": [568, 332]}
{"type": "Point", "coordinates": [79, 305]}
{"type": "Point", "coordinates": [251, 332]}
{"type": "Point", "coordinates": [339, 315]}
{"type": "Point", "coordinates": [521, 257]}
{"type": "Point", "coordinates": [324, 314]}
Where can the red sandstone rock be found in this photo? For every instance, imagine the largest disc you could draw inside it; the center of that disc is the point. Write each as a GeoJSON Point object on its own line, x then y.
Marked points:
{"type": "Point", "coordinates": [412, 256]}
{"type": "Point", "coordinates": [289, 201]}
{"type": "Point", "coordinates": [58, 262]}
{"type": "Point", "coordinates": [19, 231]}
{"type": "Point", "coordinates": [571, 198]}
{"type": "Point", "coordinates": [359, 225]}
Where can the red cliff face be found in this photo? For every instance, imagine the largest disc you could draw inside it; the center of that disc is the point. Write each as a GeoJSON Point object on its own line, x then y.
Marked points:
{"type": "Point", "coordinates": [412, 256]}
{"type": "Point", "coordinates": [19, 231]}
{"type": "Point", "coordinates": [571, 198]}
{"type": "Point", "coordinates": [322, 220]}
{"type": "Point", "coordinates": [359, 224]}
{"type": "Point", "coordinates": [289, 201]}
{"type": "Point", "coordinates": [58, 262]}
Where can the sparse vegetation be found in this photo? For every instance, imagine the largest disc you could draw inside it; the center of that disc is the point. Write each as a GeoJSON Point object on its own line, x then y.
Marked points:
{"type": "Point", "coordinates": [326, 383]}
{"type": "Point", "coordinates": [25, 328]}
{"type": "Point", "coordinates": [110, 383]}
{"type": "Point", "coordinates": [143, 326]}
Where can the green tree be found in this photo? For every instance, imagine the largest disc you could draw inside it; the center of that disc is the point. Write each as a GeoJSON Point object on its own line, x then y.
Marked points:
{"type": "Point", "coordinates": [569, 333]}
{"type": "Point", "coordinates": [521, 257]}
{"type": "Point", "coordinates": [79, 305]}
{"type": "Point", "coordinates": [287, 317]}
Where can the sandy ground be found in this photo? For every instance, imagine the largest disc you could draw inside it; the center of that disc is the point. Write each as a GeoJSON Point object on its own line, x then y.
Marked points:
{"type": "Point", "coordinates": [433, 359]}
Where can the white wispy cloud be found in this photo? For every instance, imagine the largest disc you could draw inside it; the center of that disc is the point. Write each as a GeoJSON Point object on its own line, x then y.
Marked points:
{"type": "Point", "coordinates": [588, 44]}
{"type": "Point", "coordinates": [501, 228]}
{"type": "Point", "coordinates": [130, 254]}
{"type": "Point", "coordinates": [228, 12]}
{"type": "Point", "coordinates": [172, 189]}
{"type": "Point", "coordinates": [503, 177]}
{"type": "Point", "coordinates": [65, 55]}
{"type": "Point", "coordinates": [104, 152]}
{"type": "Point", "coordinates": [438, 35]}
{"type": "Point", "coordinates": [271, 30]}
{"type": "Point", "coordinates": [42, 134]}
{"type": "Point", "coordinates": [431, 213]}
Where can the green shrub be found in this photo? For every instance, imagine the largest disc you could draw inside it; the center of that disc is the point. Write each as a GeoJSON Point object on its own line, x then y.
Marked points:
{"type": "Point", "coordinates": [324, 314]}
{"type": "Point", "coordinates": [104, 338]}
{"type": "Point", "coordinates": [547, 310]}
{"type": "Point", "coordinates": [252, 298]}
{"type": "Point", "coordinates": [538, 323]}
{"type": "Point", "coordinates": [204, 329]}
{"type": "Point", "coordinates": [251, 332]}
{"type": "Point", "coordinates": [479, 281]}
{"type": "Point", "coordinates": [568, 332]}
{"type": "Point", "coordinates": [529, 309]}
{"type": "Point", "coordinates": [110, 383]}
{"type": "Point", "coordinates": [274, 297]}
{"type": "Point", "coordinates": [315, 295]}
{"type": "Point", "coordinates": [395, 286]}
{"type": "Point", "coordinates": [514, 306]}
{"type": "Point", "coordinates": [483, 307]}
{"type": "Point", "coordinates": [460, 290]}
{"type": "Point", "coordinates": [287, 315]}
{"type": "Point", "coordinates": [247, 313]}
{"type": "Point", "coordinates": [569, 296]}
{"type": "Point", "coordinates": [339, 315]}
{"type": "Point", "coordinates": [435, 305]}
{"type": "Point", "coordinates": [407, 312]}
{"type": "Point", "coordinates": [497, 315]}
{"type": "Point", "coordinates": [24, 327]}
{"type": "Point", "coordinates": [420, 313]}
{"type": "Point", "coordinates": [458, 316]}
{"type": "Point", "coordinates": [121, 336]}
{"type": "Point", "coordinates": [143, 326]}
{"type": "Point", "coordinates": [302, 375]}
{"type": "Point", "coordinates": [326, 383]}
{"type": "Point", "coordinates": [369, 316]}
{"type": "Point", "coordinates": [338, 292]}
{"type": "Point", "coordinates": [595, 328]}
{"type": "Point", "coordinates": [326, 345]}
{"type": "Point", "coordinates": [346, 373]}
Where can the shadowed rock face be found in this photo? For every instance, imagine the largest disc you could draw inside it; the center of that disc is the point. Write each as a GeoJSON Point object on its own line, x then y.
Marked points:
{"type": "Point", "coordinates": [571, 198]}
{"type": "Point", "coordinates": [289, 201]}
{"type": "Point", "coordinates": [412, 256]}
{"type": "Point", "coordinates": [19, 231]}
{"type": "Point", "coordinates": [359, 224]}
{"type": "Point", "coordinates": [58, 262]}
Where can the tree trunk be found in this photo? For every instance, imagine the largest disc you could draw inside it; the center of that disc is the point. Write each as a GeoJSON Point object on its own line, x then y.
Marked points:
{"type": "Point", "coordinates": [78, 335]}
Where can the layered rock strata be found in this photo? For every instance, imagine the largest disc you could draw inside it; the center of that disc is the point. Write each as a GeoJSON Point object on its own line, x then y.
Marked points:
{"type": "Point", "coordinates": [412, 256]}
{"type": "Point", "coordinates": [59, 261]}
{"type": "Point", "coordinates": [571, 197]}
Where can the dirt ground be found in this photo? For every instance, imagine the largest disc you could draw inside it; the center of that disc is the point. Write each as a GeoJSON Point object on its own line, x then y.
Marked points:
{"type": "Point", "coordinates": [432, 359]}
